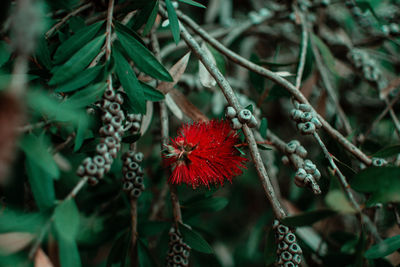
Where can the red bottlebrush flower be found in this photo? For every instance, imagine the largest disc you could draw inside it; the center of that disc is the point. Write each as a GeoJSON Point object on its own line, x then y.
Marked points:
{"type": "Point", "coordinates": [203, 153]}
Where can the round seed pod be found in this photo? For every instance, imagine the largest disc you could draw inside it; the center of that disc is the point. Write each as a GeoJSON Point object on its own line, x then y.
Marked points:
{"type": "Point", "coordinates": [130, 117]}
{"type": "Point", "coordinates": [99, 161]}
{"type": "Point", "coordinates": [291, 147]}
{"type": "Point", "coordinates": [290, 238]}
{"type": "Point", "coordinates": [235, 123]}
{"type": "Point", "coordinates": [307, 128]}
{"type": "Point", "coordinates": [113, 152]}
{"type": "Point", "coordinates": [296, 114]}
{"type": "Point", "coordinates": [296, 259]}
{"type": "Point", "coordinates": [230, 112]}
{"type": "Point", "coordinates": [109, 94]}
{"type": "Point", "coordinates": [275, 224]}
{"type": "Point", "coordinates": [185, 262]}
{"type": "Point", "coordinates": [173, 237]}
{"type": "Point", "coordinates": [101, 148]}
{"type": "Point", "coordinates": [289, 264]}
{"type": "Point", "coordinates": [316, 122]}
{"type": "Point", "coordinates": [306, 116]}
{"type": "Point", "coordinates": [285, 160]}
{"type": "Point", "coordinates": [294, 249]}
{"type": "Point", "coordinates": [177, 248]}
{"type": "Point", "coordinates": [135, 126]}
{"type": "Point", "coordinates": [316, 174]}
{"type": "Point", "coordinates": [108, 158]}
{"type": "Point", "coordinates": [107, 167]}
{"type": "Point", "coordinates": [253, 122]}
{"type": "Point", "coordinates": [177, 259]}
{"type": "Point", "coordinates": [106, 130]}
{"type": "Point", "coordinates": [133, 166]}
{"type": "Point", "coordinates": [104, 103]}
{"type": "Point", "coordinates": [244, 115]}
{"type": "Point", "coordinates": [296, 103]}
{"type": "Point", "coordinates": [282, 229]}
{"type": "Point", "coordinates": [114, 108]}
{"type": "Point", "coordinates": [127, 186]}
{"type": "Point", "coordinates": [138, 180]}
{"type": "Point", "coordinates": [86, 161]}
{"type": "Point", "coordinates": [119, 99]}
{"type": "Point", "coordinates": [130, 175]}
{"type": "Point", "coordinates": [378, 162]}
{"type": "Point", "coordinates": [309, 167]}
{"type": "Point", "coordinates": [91, 169]}
{"type": "Point", "coordinates": [80, 171]}
{"type": "Point", "coordinates": [136, 192]}
{"type": "Point", "coordinates": [129, 154]}
{"type": "Point", "coordinates": [301, 151]}
{"type": "Point", "coordinates": [121, 115]}
{"type": "Point", "coordinates": [304, 107]}
{"type": "Point", "coordinates": [308, 179]}
{"type": "Point", "coordinates": [93, 181]}
{"type": "Point", "coordinates": [110, 142]}
{"type": "Point", "coordinates": [138, 157]}
{"type": "Point", "coordinates": [186, 253]}
{"type": "Point", "coordinates": [300, 174]}
{"type": "Point", "coordinates": [282, 246]}
{"type": "Point", "coordinates": [286, 256]}
{"type": "Point", "coordinates": [100, 172]}
{"type": "Point", "coordinates": [137, 117]}
{"type": "Point", "coordinates": [116, 122]}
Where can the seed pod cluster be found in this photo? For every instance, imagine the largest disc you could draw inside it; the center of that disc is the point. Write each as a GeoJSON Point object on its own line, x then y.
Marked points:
{"type": "Point", "coordinates": [134, 122]}
{"type": "Point", "coordinates": [307, 173]}
{"type": "Point", "coordinates": [243, 117]}
{"type": "Point", "coordinates": [111, 132]}
{"type": "Point", "coordinates": [306, 119]}
{"type": "Point", "coordinates": [133, 183]}
{"type": "Point", "coordinates": [368, 67]}
{"type": "Point", "coordinates": [288, 252]}
{"type": "Point", "coordinates": [179, 251]}
{"type": "Point", "coordinates": [379, 162]}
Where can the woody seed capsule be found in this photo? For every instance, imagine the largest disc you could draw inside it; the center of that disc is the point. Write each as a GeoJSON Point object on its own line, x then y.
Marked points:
{"type": "Point", "coordinates": [253, 122]}
{"type": "Point", "coordinates": [230, 112]}
{"type": "Point", "coordinates": [244, 115]}
{"type": "Point", "coordinates": [236, 125]}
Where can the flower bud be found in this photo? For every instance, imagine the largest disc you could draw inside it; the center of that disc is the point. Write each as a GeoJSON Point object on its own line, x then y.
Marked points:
{"type": "Point", "coordinates": [230, 112]}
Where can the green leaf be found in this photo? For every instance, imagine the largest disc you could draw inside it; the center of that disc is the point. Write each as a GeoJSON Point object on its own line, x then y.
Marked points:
{"type": "Point", "coordinates": [37, 151]}
{"type": "Point", "coordinates": [78, 62]}
{"type": "Point", "coordinates": [83, 127]}
{"type": "Point", "coordinates": [193, 3]}
{"type": "Point", "coordinates": [81, 80]}
{"type": "Point", "coordinates": [12, 220]}
{"type": "Point", "coordinates": [44, 104]}
{"type": "Point", "coordinates": [151, 93]}
{"type": "Point", "coordinates": [307, 218]}
{"type": "Point", "coordinates": [325, 53]}
{"type": "Point", "coordinates": [384, 248]}
{"type": "Point", "coordinates": [151, 19]}
{"type": "Point", "coordinates": [145, 258]}
{"type": "Point", "coordinates": [69, 253]}
{"type": "Point", "coordinates": [43, 53]}
{"type": "Point", "coordinates": [119, 249]}
{"type": "Point", "coordinates": [66, 219]}
{"type": "Point", "coordinates": [75, 42]}
{"type": "Point", "coordinates": [337, 201]}
{"type": "Point", "coordinates": [42, 185]}
{"type": "Point", "coordinates": [365, 5]}
{"type": "Point", "coordinates": [387, 152]}
{"type": "Point", "coordinates": [5, 53]}
{"type": "Point", "coordinates": [131, 139]}
{"type": "Point", "coordinates": [142, 16]}
{"type": "Point", "coordinates": [86, 96]}
{"type": "Point", "coordinates": [130, 83]}
{"type": "Point", "coordinates": [143, 58]}
{"type": "Point", "coordinates": [173, 21]}
{"type": "Point", "coordinates": [382, 182]}
{"type": "Point", "coordinates": [263, 127]}
{"type": "Point", "coordinates": [195, 240]}
{"type": "Point", "coordinates": [207, 204]}
{"type": "Point", "coordinates": [264, 147]}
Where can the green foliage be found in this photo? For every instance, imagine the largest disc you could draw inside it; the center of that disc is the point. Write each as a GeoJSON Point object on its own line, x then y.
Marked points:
{"type": "Point", "coordinates": [194, 239]}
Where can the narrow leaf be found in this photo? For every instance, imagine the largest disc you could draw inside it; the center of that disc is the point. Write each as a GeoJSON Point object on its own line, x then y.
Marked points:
{"type": "Point", "coordinates": [143, 58]}
{"type": "Point", "coordinates": [151, 94]}
{"type": "Point", "coordinates": [69, 253]}
{"type": "Point", "coordinates": [193, 3]}
{"type": "Point", "coordinates": [130, 83]}
{"type": "Point", "coordinates": [85, 96]}
{"type": "Point", "coordinates": [75, 42]}
{"type": "Point", "coordinates": [151, 19]}
{"type": "Point", "coordinates": [5, 53]}
{"type": "Point", "coordinates": [195, 240]}
{"type": "Point", "coordinates": [176, 71]}
{"type": "Point", "coordinates": [145, 258]}
{"type": "Point", "coordinates": [81, 80]}
{"type": "Point", "coordinates": [173, 21]}
{"type": "Point", "coordinates": [66, 219]}
{"type": "Point", "coordinates": [384, 248]}
{"type": "Point", "coordinates": [78, 61]}
{"type": "Point", "coordinates": [388, 151]}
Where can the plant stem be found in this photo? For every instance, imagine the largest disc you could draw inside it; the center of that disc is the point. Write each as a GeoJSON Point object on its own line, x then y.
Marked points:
{"type": "Point", "coordinates": [276, 78]}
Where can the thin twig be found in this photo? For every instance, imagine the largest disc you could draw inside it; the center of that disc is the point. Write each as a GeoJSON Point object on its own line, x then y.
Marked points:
{"type": "Point", "coordinates": [303, 53]}
{"type": "Point", "coordinates": [276, 78]}
{"type": "Point", "coordinates": [233, 101]}
{"type": "Point", "coordinates": [347, 189]}
{"type": "Point", "coordinates": [66, 18]}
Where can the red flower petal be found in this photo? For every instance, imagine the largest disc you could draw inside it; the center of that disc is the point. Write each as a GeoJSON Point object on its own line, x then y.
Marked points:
{"type": "Point", "coordinates": [203, 153]}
